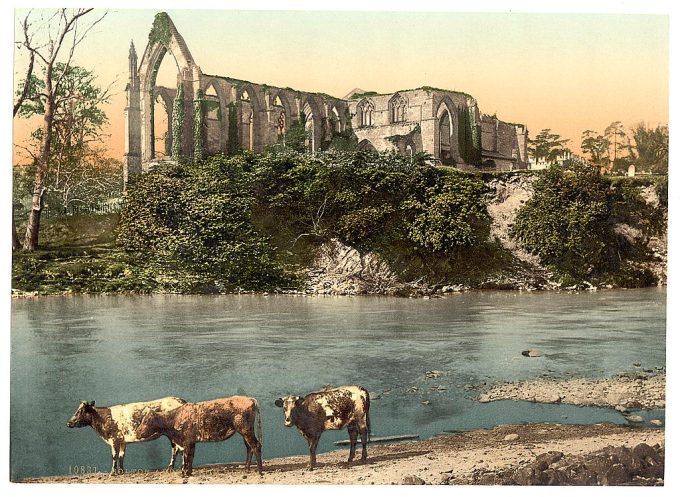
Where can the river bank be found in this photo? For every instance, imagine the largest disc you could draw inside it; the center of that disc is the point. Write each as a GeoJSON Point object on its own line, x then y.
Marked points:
{"type": "Point", "coordinates": [512, 454]}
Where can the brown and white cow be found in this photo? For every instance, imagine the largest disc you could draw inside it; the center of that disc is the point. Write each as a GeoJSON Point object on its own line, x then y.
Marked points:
{"type": "Point", "coordinates": [116, 425]}
{"type": "Point", "coordinates": [331, 409]}
{"type": "Point", "coordinates": [209, 421]}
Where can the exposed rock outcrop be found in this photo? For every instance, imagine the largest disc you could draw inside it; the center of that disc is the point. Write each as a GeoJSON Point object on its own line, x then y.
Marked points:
{"type": "Point", "coordinates": [341, 270]}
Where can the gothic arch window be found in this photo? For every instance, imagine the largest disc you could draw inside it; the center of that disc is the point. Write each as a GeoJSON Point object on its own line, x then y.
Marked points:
{"type": "Point", "coordinates": [365, 111]}
{"type": "Point", "coordinates": [445, 136]}
{"type": "Point", "coordinates": [366, 146]}
{"type": "Point", "coordinates": [245, 96]}
{"type": "Point", "coordinates": [212, 103]}
{"type": "Point", "coordinates": [335, 120]}
{"type": "Point", "coordinates": [397, 108]}
{"type": "Point", "coordinates": [310, 140]}
{"type": "Point", "coordinates": [278, 102]}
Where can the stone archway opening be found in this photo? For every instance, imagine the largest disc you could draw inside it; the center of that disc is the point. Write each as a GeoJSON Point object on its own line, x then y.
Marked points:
{"type": "Point", "coordinates": [162, 128]}
{"type": "Point", "coordinates": [445, 138]}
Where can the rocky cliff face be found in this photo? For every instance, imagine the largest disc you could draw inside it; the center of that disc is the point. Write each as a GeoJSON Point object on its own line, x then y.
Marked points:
{"type": "Point", "coordinates": [339, 269]}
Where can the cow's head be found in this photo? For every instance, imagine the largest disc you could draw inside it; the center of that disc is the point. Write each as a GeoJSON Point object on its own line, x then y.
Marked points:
{"type": "Point", "coordinates": [149, 425]}
{"type": "Point", "coordinates": [288, 403]}
{"type": "Point", "coordinates": [83, 415]}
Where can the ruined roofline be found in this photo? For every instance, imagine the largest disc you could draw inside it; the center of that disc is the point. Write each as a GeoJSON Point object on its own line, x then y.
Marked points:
{"type": "Point", "coordinates": [367, 94]}
{"type": "Point", "coordinates": [237, 81]}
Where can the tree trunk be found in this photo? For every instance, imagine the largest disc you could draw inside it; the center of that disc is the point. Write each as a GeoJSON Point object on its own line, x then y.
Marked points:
{"type": "Point", "coordinates": [16, 244]}
{"type": "Point", "coordinates": [33, 227]}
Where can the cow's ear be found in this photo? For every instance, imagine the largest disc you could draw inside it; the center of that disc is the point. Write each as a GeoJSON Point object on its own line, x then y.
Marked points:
{"type": "Point", "coordinates": [298, 401]}
{"type": "Point", "coordinates": [89, 403]}
{"type": "Point", "coordinates": [278, 402]}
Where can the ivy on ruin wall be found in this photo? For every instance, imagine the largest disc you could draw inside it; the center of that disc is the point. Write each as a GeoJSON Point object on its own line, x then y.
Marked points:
{"type": "Point", "coordinates": [469, 136]}
{"type": "Point", "coordinates": [233, 145]}
{"type": "Point", "coordinates": [160, 31]}
{"type": "Point", "coordinates": [199, 120]}
{"type": "Point", "coordinates": [177, 122]}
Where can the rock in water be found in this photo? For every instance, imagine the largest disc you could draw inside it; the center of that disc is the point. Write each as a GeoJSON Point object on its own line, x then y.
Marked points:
{"type": "Point", "coordinates": [634, 418]}
{"type": "Point", "coordinates": [532, 353]}
{"type": "Point", "coordinates": [656, 422]}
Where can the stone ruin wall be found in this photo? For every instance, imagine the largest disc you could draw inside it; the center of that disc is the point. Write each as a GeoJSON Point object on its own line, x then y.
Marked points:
{"type": "Point", "coordinates": [429, 122]}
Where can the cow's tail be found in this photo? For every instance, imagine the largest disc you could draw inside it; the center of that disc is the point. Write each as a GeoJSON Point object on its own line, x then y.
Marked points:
{"type": "Point", "coordinates": [368, 416]}
{"type": "Point", "coordinates": [258, 418]}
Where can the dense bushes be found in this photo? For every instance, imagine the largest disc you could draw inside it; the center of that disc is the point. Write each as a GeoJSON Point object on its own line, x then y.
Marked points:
{"type": "Point", "coordinates": [239, 221]}
{"type": "Point", "coordinates": [193, 224]}
{"type": "Point", "coordinates": [580, 223]}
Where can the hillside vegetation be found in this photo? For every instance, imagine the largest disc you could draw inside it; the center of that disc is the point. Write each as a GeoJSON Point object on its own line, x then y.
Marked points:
{"type": "Point", "coordinates": [259, 222]}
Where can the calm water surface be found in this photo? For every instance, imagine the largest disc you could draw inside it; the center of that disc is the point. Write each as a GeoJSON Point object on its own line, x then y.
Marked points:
{"type": "Point", "coordinates": [122, 349]}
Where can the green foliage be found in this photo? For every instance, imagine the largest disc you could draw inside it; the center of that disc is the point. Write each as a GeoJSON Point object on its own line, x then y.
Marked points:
{"type": "Point", "coordinates": [651, 148]}
{"type": "Point", "coordinates": [547, 145]}
{"type": "Point", "coordinates": [78, 173]}
{"type": "Point", "coordinates": [199, 125]}
{"type": "Point", "coordinates": [233, 145]}
{"type": "Point", "coordinates": [469, 137]}
{"type": "Point", "coordinates": [160, 31]}
{"type": "Point", "coordinates": [177, 122]}
{"type": "Point", "coordinates": [192, 223]}
{"type": "Point", "coordinates": [572, 221]}
{"type": "Point", "coordinates": [451, 214]}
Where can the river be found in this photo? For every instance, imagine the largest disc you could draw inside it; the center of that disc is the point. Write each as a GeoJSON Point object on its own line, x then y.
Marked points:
{"type": "Point", "coordinates": [116, 349]}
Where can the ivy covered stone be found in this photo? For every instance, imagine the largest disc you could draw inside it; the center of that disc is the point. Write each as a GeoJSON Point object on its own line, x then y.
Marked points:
{"type": "Point", "coordinates": [177, 122]}
{"type": "Point", "coordinates": [160, 31]}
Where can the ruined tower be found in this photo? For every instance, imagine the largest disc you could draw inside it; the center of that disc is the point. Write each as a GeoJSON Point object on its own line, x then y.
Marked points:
{"type": "Point", "coordinates": [132, 161]}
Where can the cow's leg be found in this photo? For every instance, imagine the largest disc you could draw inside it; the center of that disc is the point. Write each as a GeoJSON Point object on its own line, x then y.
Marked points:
{"type": "Point", "coordinates": [114, 458]}
{"type": "Point", "coordinates": [254, 447]}
{"type": "Point", "coordinates": [188, 456]}
{"type": "Point", "coordinates": [353, 431]}
{"type": "Point", "coordinates": [313, 441]}
{"type": "Point", "coordinates": [121, 457]}
{"type": "Point", "coordinates": [173, 455]}
{"type": "Point", "coordinates": [363, 431]}
{"type": "Point", "coordinates": [249, 454]}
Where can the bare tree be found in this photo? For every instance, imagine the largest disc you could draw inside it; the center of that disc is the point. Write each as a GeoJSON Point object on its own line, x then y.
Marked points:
{"type": "Point", "coordinates": [63, 30]}
{"type": "Point", "coordinates": [27, 42]}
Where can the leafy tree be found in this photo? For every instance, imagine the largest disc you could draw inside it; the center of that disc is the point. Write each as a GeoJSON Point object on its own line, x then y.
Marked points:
{"type": "Point", "coordinates": [548, 146]}
{"type": "Point", "coordinates": [617, 138]}
{"type": "Point", "coordinates": [596, 146]}
{"type": "Point", "coordinates": [62, 30]}
{"type": "Point", "coordinates": [651, 148]}
{"type": "Point", "coordinates": [78, 173]}
{"type": "Point", "coordinates": [565, 221]}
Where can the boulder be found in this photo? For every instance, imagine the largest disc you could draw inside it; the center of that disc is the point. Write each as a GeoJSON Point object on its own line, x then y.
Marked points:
{"type": "Point", "coordinates": [412, 480]}
{"type": "Point", "coordinates": [532, 353]}
{"type": "Point", "coordinates": [511, 437]}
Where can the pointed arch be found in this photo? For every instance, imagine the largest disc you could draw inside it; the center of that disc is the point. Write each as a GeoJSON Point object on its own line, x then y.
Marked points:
{"type": "Point", "coordinates": [365, 110]}
{"type": "Point", "coordinates": [312, 114]}
{"type": "Point", "coordinates": [366, 146]}
{"type": "Point", "coordinates": [446, 132]}
{"type": "Point", "coordinates": [283, 112]}
{"type": "Point", "coordinates": [163, 39]}
{"type": "Point", "coordinates": [397, 108]}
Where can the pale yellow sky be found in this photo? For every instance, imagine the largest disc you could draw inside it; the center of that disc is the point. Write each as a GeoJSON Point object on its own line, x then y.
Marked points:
{"type": "Point", "coordinates": [567, 72]}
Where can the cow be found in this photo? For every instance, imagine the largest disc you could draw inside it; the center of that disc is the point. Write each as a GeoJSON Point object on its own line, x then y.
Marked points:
{"type": "Point", "coordinates": [209, 421]}
{"type": "Point", "coordinates": [331, 409]}
{"type": "Point", "coordinates": [116, 425]}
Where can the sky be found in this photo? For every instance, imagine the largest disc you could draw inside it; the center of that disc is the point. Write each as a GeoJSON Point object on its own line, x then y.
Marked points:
{"type": "Point", "coordinates": [566, 72]}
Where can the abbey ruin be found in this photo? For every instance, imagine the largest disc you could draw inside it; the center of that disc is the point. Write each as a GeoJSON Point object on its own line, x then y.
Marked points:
{"type": "Point", "coordinates": [208, 114]}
